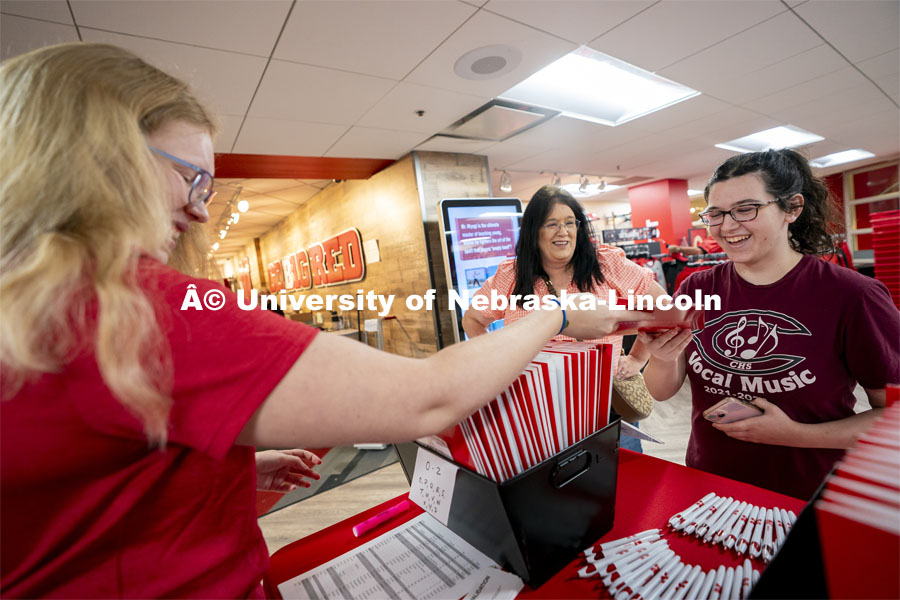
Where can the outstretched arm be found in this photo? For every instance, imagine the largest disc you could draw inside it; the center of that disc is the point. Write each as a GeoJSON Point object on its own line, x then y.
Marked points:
{"type": "Point", "coordinates": [340, 391]}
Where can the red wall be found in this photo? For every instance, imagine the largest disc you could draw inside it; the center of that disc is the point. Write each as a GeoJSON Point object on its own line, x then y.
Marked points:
{"type": "Point", "coordinates": [665, 201]}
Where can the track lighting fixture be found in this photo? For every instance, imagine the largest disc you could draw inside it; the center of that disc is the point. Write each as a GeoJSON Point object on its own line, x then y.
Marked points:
{"type": "Point", "coordinates": [505, 183]}
{"type": "Point", "coordinates": [557, 180]}
{"type": "Point", "coordinates": [583, 185]}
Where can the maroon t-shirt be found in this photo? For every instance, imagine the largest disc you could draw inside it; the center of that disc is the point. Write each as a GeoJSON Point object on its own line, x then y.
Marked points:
{"type": "Point", "coordinates": [801, 343]}
{"type": "Point", "coordinates": [90, 510]}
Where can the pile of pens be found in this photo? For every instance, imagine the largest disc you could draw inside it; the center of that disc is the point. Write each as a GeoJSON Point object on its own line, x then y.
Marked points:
{"type": "Point", "coordinates": [643, 567]}
{"type": "Point", "coordinates": [755, 530]}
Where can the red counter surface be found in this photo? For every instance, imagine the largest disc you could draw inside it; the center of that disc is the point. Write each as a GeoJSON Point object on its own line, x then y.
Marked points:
{"type": "Point", "coordinates": [649, 491]}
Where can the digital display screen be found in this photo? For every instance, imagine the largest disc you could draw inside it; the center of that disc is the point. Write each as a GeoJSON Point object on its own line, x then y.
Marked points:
{"type": "Point", "coordinates": [479, 234]}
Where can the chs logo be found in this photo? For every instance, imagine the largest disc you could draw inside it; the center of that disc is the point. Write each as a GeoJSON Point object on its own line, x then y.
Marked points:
{"type": "Point", "coordinates": [338, 259]}
{"type": "Point", "coordinates": [747, 341]}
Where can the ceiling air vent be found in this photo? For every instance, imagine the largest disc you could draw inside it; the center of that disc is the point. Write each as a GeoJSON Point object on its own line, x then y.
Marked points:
{"type": "Point", "coordinates": [498, 120]}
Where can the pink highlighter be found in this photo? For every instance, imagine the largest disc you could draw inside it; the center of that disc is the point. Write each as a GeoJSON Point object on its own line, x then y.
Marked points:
{"type": "Point", "coordinates": [389, 513]}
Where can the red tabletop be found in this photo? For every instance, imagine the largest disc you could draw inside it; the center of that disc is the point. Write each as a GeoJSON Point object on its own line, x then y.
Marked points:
{"type": "Point", "coordinates": [649, 491]}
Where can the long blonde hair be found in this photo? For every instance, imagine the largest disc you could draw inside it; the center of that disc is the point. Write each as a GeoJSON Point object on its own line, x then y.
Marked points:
{"type": "Point", "coordinates": [81, 198]}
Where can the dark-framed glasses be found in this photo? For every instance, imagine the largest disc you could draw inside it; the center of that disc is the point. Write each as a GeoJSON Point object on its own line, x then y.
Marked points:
{"type": "Point", "coordinates": [740, 214]}
{"type": "Point", "coordinates": [202, 185]}
{"type": "Point", "coordinates": [568, 225]}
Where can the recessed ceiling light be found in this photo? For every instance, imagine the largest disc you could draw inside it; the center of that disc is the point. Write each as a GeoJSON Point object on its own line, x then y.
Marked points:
{"type": "Point", "coordinates": [695, 192]}
{"type": "Point", "coordinates": [839, 158]}
{"type": "Point", "coordinates": [785, 136]}
{"type": "Point", "coordinates": [589, 85]}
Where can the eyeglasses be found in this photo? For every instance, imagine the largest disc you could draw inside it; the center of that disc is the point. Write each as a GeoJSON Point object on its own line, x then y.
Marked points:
{"type": "Point", "coordinates": [201, 187]}
{"type": "Point", "coordinates": [740, 214]}
{"type": "Point", "coordinates": [554, 227]}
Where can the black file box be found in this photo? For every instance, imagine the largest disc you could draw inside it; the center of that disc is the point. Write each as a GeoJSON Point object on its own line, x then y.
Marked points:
{"type": "Point", "coordinates": [537, 522]}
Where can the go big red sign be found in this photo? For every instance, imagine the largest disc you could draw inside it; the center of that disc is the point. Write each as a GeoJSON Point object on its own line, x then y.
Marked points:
{"type": "Point", "coordinates": [338, 259]}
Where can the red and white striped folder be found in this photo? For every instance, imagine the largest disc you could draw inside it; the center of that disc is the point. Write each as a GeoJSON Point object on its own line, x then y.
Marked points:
{"type": "Point", "coordinates": [858, 514]}
{"type": "Point", "coordinates": [562, 397]}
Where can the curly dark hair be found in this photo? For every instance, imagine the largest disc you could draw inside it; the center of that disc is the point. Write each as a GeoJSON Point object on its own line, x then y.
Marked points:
{"type": "Point", "coordinates": [786, 173]}
{"type": "Point", "coordinates": [528, 255]}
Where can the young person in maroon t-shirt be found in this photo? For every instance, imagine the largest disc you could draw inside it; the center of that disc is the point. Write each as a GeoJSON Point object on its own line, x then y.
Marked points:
{"type": "Point", "coordinates": [795, 334]}
{"type": "Point", "coordinates": [128, 425]}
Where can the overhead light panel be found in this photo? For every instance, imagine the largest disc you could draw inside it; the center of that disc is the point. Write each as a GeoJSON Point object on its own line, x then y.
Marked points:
{"type": "Point", "coordinates": [839, 158]}
{"type": "Point", "coordinates": [505, 183]}
{"type": "Point", "coordinates": [695, 192]}
{"type": "Point", "coordinates": [498, 120]}
{"type": "Point", "coordinates": [784, 136]}
{"type": "Point", "coordinates": [596, 87]}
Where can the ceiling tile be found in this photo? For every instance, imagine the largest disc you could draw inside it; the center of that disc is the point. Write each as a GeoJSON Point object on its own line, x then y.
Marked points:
{"type": "Point", "coordinates": [850, 103]}
{"type": "Point", "coordinates": [891, 86]}
{"type": "Point", "coordinates": [556, 16]}
{"type": "Point", "coordinates": [265, 186]}
{"type": "Point", "coordinates": [811, 64]}
{"type": "Point", "coordinates": [314, 94]}
{"type": "Point", "coordinates": [397, 110]}
{"type": "Point", "coordinates": [290, 138]}
{"type": "Point", "coordinates": [56, 11]}
{"type": "Point", "coordinates": [859, 29]}
{"type": "Point", "coordinates": [372, 37]}
{"type": "Point", "coordinates": [227, 134]}
{"type": "Point", "coordinates": [884, 70]}
{"type": "Point", "coordinates": [366, 142]}
{"type": "Point", "coordinates": [509, 152]}
{"type": "Point", "coordinates": [802, 92]}
{"type": "Point", "coordinates": [19, 35]}
{"type": "Point", "coordinates": [485, 29]}
{"type": "Point", "coordinates": [687, 111]}
{"type": "Point", "coordinates": [200, 67]}
{"type": "Point", "coordinates": [867, 132]}
{"type": "Point", "coordinates": [561, 131]}
{"type": "Point", "coordinates": [248, 26]}
{"type": "Point", "coordinates": [673, 30]}
{"type": "Point", "coordinates": [882, 65]}
{"type": "Point", "coordinates": [765, 44]}
{"type": "Point", "coordinates": [297, 195]}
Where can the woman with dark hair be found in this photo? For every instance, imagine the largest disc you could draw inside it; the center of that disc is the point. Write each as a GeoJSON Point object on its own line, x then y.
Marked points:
{"type": "Point", "coordinates": [794, 335]}
{"type": "Point", "coordinates": [555, 254]}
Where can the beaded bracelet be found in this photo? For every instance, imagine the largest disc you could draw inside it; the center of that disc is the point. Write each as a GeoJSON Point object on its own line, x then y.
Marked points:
{"type": "Point", "coordinates": [565, 322]}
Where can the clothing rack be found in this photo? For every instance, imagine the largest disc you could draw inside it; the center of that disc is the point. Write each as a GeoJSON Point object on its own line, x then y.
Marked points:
{"type": "Point", "coordinates": [706, 260]}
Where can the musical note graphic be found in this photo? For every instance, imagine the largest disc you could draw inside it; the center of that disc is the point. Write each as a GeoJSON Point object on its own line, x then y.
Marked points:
{"type": "Point", "coordinates": [771, 334]}
{"type": "Point", "coordinates": [734, 340]}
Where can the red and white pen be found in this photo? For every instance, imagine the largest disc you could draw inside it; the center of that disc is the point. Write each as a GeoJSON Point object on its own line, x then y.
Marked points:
{"type": "Point", "coordinates": [369, 524]}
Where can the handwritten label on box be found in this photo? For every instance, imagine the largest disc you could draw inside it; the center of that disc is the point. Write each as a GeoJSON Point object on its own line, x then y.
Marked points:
{"type": "Point", "coordinates": [432, 484]}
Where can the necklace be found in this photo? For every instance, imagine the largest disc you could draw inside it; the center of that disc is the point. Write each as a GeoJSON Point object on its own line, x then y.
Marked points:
{"type": "Point", "coordinates": [550, 286]}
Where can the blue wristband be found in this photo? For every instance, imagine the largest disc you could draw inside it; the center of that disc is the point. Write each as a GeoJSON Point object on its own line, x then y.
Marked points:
{"type": "Point", "coordinates": [565, 322]}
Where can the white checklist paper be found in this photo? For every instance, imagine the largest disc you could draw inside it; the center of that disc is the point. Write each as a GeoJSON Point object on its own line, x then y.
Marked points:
{"type": "Point", "coordinates": [418, 560]}
{"type": "Point", "coordinates": [432, 484]}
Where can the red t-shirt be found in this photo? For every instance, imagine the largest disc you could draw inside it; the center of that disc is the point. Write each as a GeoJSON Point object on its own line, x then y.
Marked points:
{"type": "Point", "coordinates": [802, 343]}
{"type": "Point", "coordinates": [90, 510]}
